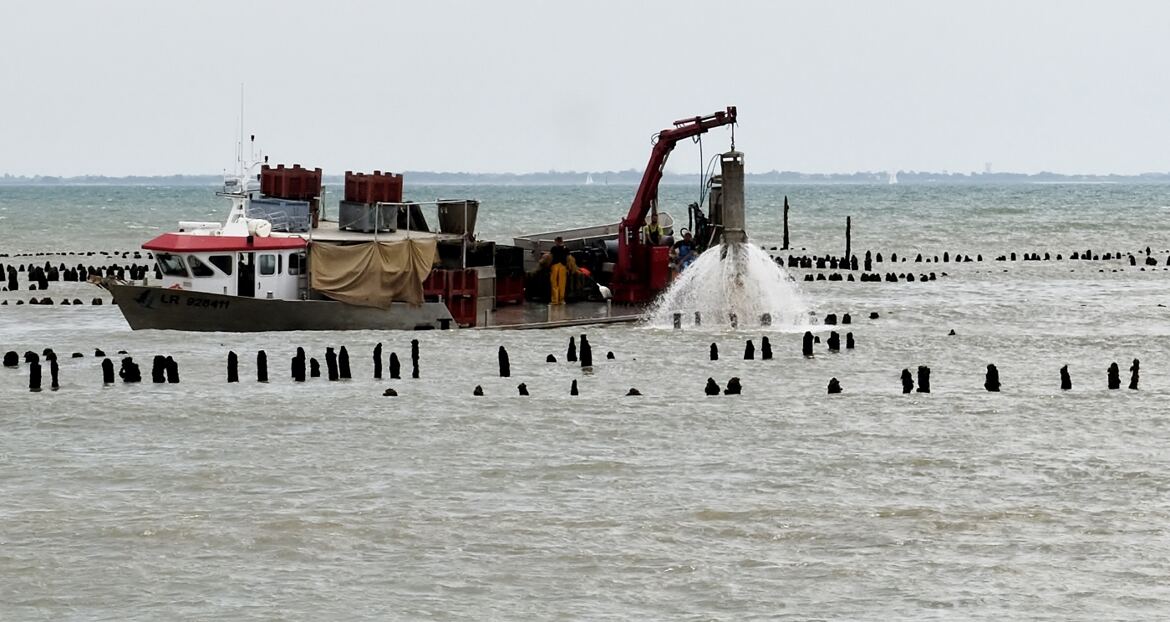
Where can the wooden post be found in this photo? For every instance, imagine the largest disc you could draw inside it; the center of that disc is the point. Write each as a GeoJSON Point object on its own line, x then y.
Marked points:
{"type": "Point", "coordinates": [233, 370]}
{"type": "Point", "coordinates": [261, 366]}
{"type": "Point", "coordinates": [505, 366]}
{"type": "Point", "coordinates": [848, 236]}
{"type": "Point", "coordinates": [413, 342]}
{"type": "Point", "coordinates": [785, 222]}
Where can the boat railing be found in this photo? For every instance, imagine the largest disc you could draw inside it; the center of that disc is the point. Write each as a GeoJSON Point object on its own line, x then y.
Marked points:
{"type": "Point", "coordinates": [436, 207]}
{"type": "Point", "coordinates": [579, 237]}
{"type": "Point", "coordinates": [462, 224]}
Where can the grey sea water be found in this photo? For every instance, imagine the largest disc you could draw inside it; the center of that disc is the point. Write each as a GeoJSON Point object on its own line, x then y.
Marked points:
{"type": "Point", "coordinates": [205, 500]}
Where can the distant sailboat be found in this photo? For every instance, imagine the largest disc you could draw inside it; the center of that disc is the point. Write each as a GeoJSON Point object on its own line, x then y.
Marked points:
{"type": "Point", "coordinates": [588, 179]}
{"type": "Point", "coordinates": [893, 177]}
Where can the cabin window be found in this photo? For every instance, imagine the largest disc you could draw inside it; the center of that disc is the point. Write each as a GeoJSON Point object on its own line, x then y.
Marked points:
{"type": "Point", "coordinates": [198, 268]}
{"type": "Point", "coordinates": [295, 263]}
{"type": "Point", "coordinates": [267, 264]}
{"type": "Point", "coordinates": [223, 262]}
{"type": "Point", "coordinates": [171, 265]}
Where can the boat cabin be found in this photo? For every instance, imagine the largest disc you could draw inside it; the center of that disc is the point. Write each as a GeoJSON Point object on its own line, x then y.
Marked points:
{"type": "Point", "coordinates": [254, 267]}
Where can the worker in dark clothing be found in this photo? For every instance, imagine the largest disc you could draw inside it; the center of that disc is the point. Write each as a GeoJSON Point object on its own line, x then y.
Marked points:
{"type": "Point", "coordinates": [683, 253]}
{"type": "Point", "coordinates": [558, 271]}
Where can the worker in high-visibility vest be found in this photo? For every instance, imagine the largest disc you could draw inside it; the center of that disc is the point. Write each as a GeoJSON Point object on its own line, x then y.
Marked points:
{"type": "Point", "coordinates": [653, 231]}
{"type": "Point", "coordinates": [558, 271]}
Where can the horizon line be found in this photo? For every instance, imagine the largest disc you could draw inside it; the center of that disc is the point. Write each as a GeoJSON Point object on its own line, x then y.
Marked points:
{"type": "Point", "coordinates": [621, 173]}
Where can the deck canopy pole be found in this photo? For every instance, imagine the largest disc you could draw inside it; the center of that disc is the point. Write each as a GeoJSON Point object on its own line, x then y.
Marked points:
{"type": "Point", "coordinates": [464, 234]}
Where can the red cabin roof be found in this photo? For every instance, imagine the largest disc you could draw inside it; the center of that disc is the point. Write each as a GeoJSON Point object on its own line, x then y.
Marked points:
{"type": "Point", "coordinates": [183, 243]}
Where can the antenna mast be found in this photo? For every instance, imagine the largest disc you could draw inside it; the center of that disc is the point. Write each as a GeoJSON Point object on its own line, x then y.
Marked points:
{"type": "Point", "coordinates": [240, 145]}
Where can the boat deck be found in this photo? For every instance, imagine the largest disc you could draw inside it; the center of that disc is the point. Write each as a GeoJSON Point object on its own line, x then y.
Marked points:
{"type": "Point", "coordinates": [529, 316]}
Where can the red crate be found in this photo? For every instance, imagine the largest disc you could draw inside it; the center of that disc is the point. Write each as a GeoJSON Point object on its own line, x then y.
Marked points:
{"type": "Point", "coordinates": [463, 309]}
{"type": "Point", "coordinates": [659, 267]}
{"type": "Point", "coordinates": [296, 183]}
{"type": "Point", "coordinates": [436, 284]}
{"type": "Point", "coordinates": [510, 289]}
{"type": "Point", "coordinates": [462, 283]}
{"type": "Point", "coordinates": [376, 188]}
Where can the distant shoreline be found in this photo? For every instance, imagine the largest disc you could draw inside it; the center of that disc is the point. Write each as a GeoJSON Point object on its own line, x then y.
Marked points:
{"type": "Point", "coordinates": [624, 178]}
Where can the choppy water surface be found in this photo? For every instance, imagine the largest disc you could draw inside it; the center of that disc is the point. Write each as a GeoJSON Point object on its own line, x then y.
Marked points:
{"type": "Point", "coordinates": [327, 501]}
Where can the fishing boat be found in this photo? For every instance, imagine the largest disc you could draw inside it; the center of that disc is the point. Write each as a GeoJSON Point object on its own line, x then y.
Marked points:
{"type": "Point", "coordinates": [278, 262]}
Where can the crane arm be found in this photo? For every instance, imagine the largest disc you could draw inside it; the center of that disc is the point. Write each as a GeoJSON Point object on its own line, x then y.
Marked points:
{"type": "Point", "coordinates": [683, 128]}
{"type": "Point", "coordinates": [631, 273]}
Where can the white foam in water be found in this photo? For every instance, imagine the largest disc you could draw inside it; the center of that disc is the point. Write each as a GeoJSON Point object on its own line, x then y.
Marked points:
{"type": "Point", "coordinates": [746, 282]}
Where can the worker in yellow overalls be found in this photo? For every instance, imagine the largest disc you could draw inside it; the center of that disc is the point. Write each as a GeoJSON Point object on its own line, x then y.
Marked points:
{"type": "Point", "coordinates": [558, 271]}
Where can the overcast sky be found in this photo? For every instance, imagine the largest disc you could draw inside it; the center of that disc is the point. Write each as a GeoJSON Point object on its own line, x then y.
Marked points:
{"type": "Point", "coordinates": [153, 87]}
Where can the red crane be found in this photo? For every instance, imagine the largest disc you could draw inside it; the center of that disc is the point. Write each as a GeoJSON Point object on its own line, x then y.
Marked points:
{"type": "Point", "coordinates": [634, 278]}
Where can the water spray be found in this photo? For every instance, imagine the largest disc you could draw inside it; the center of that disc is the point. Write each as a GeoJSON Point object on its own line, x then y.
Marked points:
{"type": "Point", "coordinates": [734, 283]}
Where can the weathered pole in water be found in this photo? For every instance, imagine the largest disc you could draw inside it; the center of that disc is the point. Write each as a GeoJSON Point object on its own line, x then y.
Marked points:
{"type": "Point", "coordinates": [586, 353]}
{"type": "Point", "coordinates": [343, 363]}
{"type": "Point", "coordinates": [923, 379]}
{"type": "Point", "coordinates": [848, 237]}
{"type": "Point", "coordinates": [261, 366]}
{"type": "Point", "coordinates": [992, 381]}
{"type": "Point", "coordinates": [785, 222]}
{"type": "Point", "coordinates": [158, 369]}
{"type": "Point", "coordinates": [414, 358]}
{"type": "Point", "coordinates": [34, 377]}
{"type": "Point", "coordinates": [331, 363]}
{"type": "Point", "coordinates": [298, 365]}
{"type": "Point", "coordinates": [505, 366]}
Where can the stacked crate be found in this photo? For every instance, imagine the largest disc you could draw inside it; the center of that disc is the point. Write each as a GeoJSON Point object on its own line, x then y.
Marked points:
{"type": "Point", "coordinates": [376, 188]}
{"type": "Point", "coordinates": [509, 263]}
{"type": "Point", "coordinates": [294, 184]}
{"type": "Point", "coordinates": [462, 295]}
{"type": "Point", "coordinates": [359, 209]}
{"type": "Point", "coordinates": [458, 288]}
{"type": "Point", "coordinates": [292, 197]}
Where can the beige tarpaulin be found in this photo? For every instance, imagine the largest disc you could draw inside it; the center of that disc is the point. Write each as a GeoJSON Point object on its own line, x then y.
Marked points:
{"type": "Point", "coordinates": [372, 274]}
